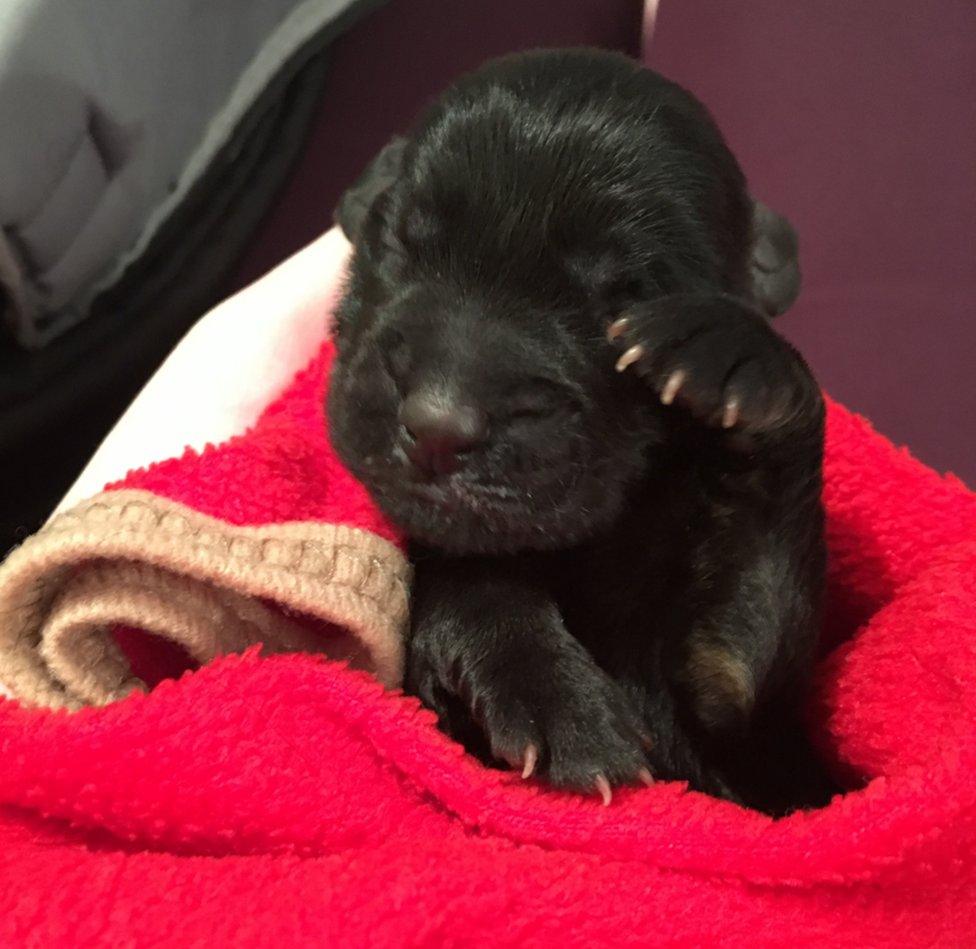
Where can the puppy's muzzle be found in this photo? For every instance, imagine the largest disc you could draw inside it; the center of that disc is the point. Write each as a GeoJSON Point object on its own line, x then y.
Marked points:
{"type": "Point", "coordinates": [441, 430]}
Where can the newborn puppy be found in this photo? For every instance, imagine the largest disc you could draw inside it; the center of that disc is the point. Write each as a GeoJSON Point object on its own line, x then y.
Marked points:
{"type": "Point", "coordinates": [556, 373]}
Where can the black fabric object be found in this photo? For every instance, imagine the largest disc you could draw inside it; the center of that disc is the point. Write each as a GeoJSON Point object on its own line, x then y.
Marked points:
{"type": "Point", "coordinates": [57, 404]}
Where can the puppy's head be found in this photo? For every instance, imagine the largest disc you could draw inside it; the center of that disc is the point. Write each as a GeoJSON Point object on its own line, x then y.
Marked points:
{"type": "Point", "coordinates": [474, 392]}
{"type": "Point", "coordinates": [481, 423]}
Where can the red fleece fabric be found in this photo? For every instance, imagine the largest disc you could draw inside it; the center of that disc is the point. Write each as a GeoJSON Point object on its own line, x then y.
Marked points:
{"type": "Point", "coordinates": [291, 801]}
{"type": "Point", "coordinates": [283, 469]}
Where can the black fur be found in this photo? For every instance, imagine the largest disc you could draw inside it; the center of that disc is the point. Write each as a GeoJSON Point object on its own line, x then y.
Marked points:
{"type": "Point", "coordinates": [617, 582]}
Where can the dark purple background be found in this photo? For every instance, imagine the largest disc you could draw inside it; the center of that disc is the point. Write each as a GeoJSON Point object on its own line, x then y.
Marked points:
{"type": "Point", "coordinates": [857, 119]}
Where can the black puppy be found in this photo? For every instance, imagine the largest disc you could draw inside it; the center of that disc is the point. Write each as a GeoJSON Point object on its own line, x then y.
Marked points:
{"type": "Point", "coordinates": [557, 374]}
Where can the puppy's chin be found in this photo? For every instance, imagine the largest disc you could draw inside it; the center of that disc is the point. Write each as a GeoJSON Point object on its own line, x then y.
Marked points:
{"type": "Point", "coordinates": [460, 518]}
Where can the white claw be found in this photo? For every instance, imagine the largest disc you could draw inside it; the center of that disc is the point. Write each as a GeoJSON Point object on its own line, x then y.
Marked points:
{"type": "Point", "coordinates": [618, 328]}
{"type": "Point", "coordinates": [603, 786]}
{"type": "Point", "coordinates": [671, 388]}
{"type": "Point", "coordinates": [646, 777]}
{"type": "Point", "coordinates": [630, 357]}
{"type": "Point", "coordinates": [731, 414]}
{"type": "Point", "coordinates": [531, 757]}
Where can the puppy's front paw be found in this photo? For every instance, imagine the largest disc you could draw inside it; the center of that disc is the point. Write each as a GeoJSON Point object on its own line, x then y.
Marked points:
{"type": "Point", "coordinates": [565, 722]}
{"type": "Point", "coordinates": [719, 359]}
{"type": "Point", "coordinates": [576, 730]}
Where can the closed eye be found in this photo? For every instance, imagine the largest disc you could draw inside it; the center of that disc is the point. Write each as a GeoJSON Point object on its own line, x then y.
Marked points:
{"type": "Point", "coordinates": [395, 354]}
{"type": "Point", "coordinates": [541, 398]}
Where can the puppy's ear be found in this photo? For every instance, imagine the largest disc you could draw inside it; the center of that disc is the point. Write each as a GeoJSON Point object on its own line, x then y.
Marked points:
{"type": "Point", "coordinates": [775, 265]}
{"type": "Point", "coordinates": [382, 171]}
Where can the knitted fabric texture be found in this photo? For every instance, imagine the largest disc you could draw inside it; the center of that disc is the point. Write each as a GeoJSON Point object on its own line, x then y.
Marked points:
{"type": "Point", "coordinates": [292, 800]}
{"type": "Point", "coordinates": [265, 539]}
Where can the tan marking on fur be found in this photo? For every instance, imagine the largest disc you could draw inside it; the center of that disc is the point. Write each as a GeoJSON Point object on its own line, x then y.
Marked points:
{"type": "Point", "coordinates": [722, 683]}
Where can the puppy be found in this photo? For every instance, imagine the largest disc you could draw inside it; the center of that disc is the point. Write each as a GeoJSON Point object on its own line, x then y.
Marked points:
{"type": "Point", "coordinates": [556, 373]}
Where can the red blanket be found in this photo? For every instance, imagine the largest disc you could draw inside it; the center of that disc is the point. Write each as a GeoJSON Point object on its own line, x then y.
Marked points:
{"type": "Point", "coordinates": [291, 800]}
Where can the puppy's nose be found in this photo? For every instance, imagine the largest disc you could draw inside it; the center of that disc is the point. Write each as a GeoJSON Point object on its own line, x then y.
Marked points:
{"type": "Point", "coordinates": [443, 429]}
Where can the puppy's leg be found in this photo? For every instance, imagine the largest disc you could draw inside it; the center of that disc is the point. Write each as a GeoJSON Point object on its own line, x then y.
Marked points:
{"type": "Point", "coordinates": [747, 410]}
{"type": "Point", "coordinates": [750, 622]}
{"type": "Point", "coordinates": [490, 649]}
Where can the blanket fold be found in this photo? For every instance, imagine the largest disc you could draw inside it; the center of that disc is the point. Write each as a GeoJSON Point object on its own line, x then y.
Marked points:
{"type": "Point", "coordinates": [135, 557]}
